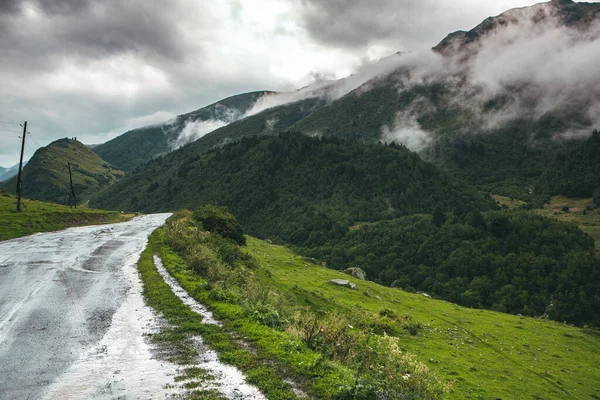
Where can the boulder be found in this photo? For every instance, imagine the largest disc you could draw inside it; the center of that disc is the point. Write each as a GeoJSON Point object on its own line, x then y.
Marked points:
{"type": "Point", "coordinates": [356, 273]}
{"type": "Point", "coordinates": [345, 283]}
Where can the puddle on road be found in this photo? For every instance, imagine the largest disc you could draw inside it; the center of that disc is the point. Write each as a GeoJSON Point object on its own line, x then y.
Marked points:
{"type": "Point", "coordinates": [228, 380]}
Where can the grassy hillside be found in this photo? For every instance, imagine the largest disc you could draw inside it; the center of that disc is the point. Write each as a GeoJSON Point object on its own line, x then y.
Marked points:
{"type": "Point", "coordinates": [295, 188]}
{"type": "Point", "coordinates": [270, 298]}
{"type": "Point", "coordinates": [38, 216]}
{"type": "Point", "coordinates": [134, 147]}
{"type": "Point", "coordinates": [138, 146]}
{"type": "Point", "coordinates": [46, 175]}
{"type": "Point", "coordinates": [579, 211]}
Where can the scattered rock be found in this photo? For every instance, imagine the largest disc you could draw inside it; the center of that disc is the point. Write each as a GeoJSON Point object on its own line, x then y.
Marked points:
{"type": "Point", "coordinates": [356, 273]}
{"type": "Point", "coordinates": [378, 298]}
{"type": "Point", "coordinates": [345, 283]}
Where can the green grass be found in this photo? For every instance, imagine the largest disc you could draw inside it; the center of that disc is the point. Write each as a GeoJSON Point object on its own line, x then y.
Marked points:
{"type": "Point", "coordinates": [487, 354]}
{"type": "Point", "coordinates": [588, 221]}
{"type": "Point", "coordinates": [39, 216]}
{"type": "Point", "coordinates": [482, 354]}
{"type": "Point", "coordinates": [271, 325]}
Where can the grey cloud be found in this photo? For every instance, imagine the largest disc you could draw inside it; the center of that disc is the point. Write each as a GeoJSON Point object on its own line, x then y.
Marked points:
{"type": "Point", "coordinates": [63, 7]}
{"type": "Point", "coordinates": [356, 23]}
{"type": "Point", "coordinates": [10, 6]}
{"type": "Point", "coordinates": [407, 24]}
{"type": "Point", "coordinates": [92, 30]}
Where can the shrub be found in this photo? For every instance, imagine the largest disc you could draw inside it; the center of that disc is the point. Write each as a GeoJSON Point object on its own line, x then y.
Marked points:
{"type": "Point", "coordinates": [219, 220]}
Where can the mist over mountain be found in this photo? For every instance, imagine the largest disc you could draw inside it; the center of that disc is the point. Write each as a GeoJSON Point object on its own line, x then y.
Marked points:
{"type": "Point", "coordinates": [532, 66]}
{"type": "Point", "coordinates": [140, 145]}
{"type": "Point", "coordinates": [503, 96]}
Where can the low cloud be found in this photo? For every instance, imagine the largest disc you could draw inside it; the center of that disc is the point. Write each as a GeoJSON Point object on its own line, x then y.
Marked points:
{"type": "Point", "coordinates": [154, 119]}
{"type": "Point", "coordinates": [530, 67]}
{"type": "Point", "coordinates": [194, 130]}
{"type": "Point", "coordinates": [330, 90]}
{"type": "Point", "coordinates": [406, 129]}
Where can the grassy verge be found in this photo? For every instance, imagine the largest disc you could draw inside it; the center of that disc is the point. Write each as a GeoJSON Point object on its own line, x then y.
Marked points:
{"type": "Point", "coordinates": [276, 300]}
{"type": "Point", "coordinates": [39, 216]}
{"type": "Point", "coordinates": [175, 342]}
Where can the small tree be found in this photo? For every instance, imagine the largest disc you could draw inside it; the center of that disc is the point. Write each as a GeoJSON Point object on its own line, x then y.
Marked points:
{"type": "Point", "coordinates": [219, 220]}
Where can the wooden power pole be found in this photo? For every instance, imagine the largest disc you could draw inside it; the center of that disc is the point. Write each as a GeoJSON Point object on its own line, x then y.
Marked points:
{"type": "Point", "coordinates": [72, 192]}
{"type": "Point", "coordinates": [19, 176]}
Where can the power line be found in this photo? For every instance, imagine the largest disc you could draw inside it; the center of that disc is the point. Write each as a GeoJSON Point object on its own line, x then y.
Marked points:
{"type": "Point", "coordinates": [10, 123]}
{"type": "Point", "coordinates": [10, 136]}
{"type": "Point", "coordinates": [34, 141]}
{"type": "Point", "coordinates": [8, 130]}
{"type": "Point", "coordinates": [30, 147]}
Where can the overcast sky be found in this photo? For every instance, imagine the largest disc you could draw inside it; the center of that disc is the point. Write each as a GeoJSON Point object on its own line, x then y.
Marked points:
{"type": "Point", "coordinates": [96, 68]}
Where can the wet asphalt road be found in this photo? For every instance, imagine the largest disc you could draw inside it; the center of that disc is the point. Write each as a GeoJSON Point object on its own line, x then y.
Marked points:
{"type": "Point", "coordinates": [71, 313]}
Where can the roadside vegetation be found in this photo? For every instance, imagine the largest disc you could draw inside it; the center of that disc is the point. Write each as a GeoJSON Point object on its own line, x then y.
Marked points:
{"type": "Point", "coordinates": [39, 216]}
{"type": "Point", "coordinates": [289, 328]}
{"type": "Point", "coordinates": [288, 342]}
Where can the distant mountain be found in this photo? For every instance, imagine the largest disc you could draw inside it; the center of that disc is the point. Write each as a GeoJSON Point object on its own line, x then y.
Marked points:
{"type": "Point", "coordinates": [493, 105]}
{"type": "Point", "coordinates": [7, 173]}
{"type": "Point", "coordinates": [563, 12]}
{"type": "Point", "coordinates": [269, 122]}
{"type": "Point", "coordinates": [46, 176]}
{"type": "Point", "coordinates": [140, 145]}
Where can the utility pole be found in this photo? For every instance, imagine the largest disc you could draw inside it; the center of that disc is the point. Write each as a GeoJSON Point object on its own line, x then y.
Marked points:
{"type": "Point", "coordinates": [72, 192]}
{"type": "Point", "coordinates": [20, 177]}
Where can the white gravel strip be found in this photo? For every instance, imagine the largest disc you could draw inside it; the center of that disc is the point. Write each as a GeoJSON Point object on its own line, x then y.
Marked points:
{"type": "Point", "coordinates": [228, 380]}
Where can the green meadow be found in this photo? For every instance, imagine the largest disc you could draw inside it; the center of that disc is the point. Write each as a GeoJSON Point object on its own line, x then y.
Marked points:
{"type": "Point", "coordinates": [38, 216]}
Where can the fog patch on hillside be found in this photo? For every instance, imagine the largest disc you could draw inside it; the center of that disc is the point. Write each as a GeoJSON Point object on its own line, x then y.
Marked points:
{"type": "Point", "coordinates": [329, 90]}
{"type": "Point", "coordinates": [194, 130]}
{"type": "Point", "coordinates": [529, 68]}
{"type": "Point", "coordinates": [406, 129]}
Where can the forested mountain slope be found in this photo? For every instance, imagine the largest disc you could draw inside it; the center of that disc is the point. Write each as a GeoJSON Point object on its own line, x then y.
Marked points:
{"type": "Point", "coordinates": [295, 188]}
